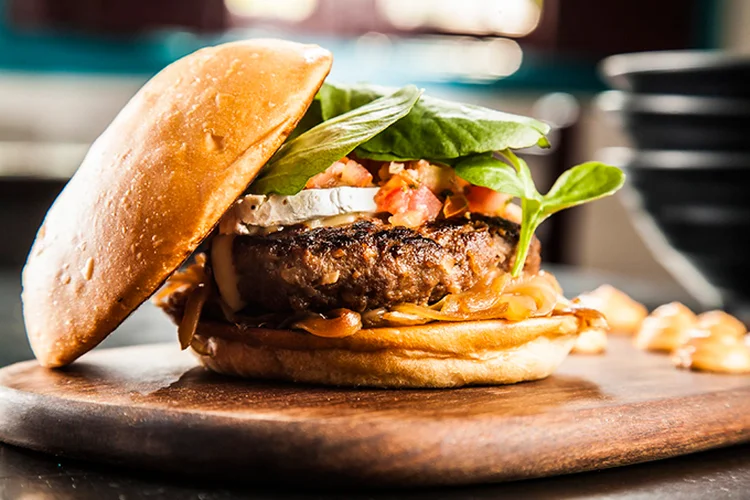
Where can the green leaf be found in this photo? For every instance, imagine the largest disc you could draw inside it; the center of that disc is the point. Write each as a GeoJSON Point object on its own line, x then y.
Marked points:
{"type": "Point", "coordinates": [524, 174]}
{"type": "Point", "coordinates": [382, 156]}
{"type": "Point", "coordinates": [581, 184]}
{"type": "Point", "coordinates": [487, 171]}
{"type": "Point", "coordinates": [312, 117]}
{"type": "Point", "coordinates": [317, 149]}
{"type": "Point", "coordinates": [435, 129]}
{"type": "Point", "coordinates": [530, 220]}
{"type": "Point", "coordinates": [337, 99]}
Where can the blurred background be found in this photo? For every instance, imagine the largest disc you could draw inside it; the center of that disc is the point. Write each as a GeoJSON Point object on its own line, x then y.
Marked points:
{"type": "Point", "coordinates": [68, 66]}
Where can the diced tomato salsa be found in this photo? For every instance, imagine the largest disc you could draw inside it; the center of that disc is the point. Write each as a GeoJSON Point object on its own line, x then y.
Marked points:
{"type": "Point", "coordinates": [344, 172]}
{"type": "Point", "coordinates": [417, 191]}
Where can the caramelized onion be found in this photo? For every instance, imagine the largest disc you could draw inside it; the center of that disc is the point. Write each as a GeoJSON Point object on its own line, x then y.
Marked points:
{"type": "Point", "coordinates": [193, 283]}
{"type": "Point", "coordinates": [541, 290]}
{"type": "Point", "coordinates": [588, 318]}
{"type": "Point", "coordinates": [192, 314]}
{"type": "Point", "coordinates": [185, 280]}
{"type": "Point", "coordinates": [455, 204]}
{"type": "Point", "coordinates": [496, 296]}
{"type": "Point", "coordinates": [428, 313]}
{"type": "Point", "coordinates": [485, 295]}
{"type": "Point", "coordinates": [431, 314]}
{"type": "Point", "coordinates": [383, 317]}
{"type": "Point", "coordinates": [519, 307]}
{"type": "Point", "coordinates": [344, 323]}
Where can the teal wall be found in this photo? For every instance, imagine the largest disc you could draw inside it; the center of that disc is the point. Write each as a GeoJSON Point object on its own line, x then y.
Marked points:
{"type": "Point", "coordinates": [70, 52]}
{"type": "Point", "coordinates": [146, 54]}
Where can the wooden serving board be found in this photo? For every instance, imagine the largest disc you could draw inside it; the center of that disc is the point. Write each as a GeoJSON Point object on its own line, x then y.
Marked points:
{"type": "Point", "coordinates": [152, 407]}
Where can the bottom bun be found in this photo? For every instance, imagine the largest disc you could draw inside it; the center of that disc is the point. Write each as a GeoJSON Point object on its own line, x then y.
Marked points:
{"type": "Point", "coordinates": [426, 356]}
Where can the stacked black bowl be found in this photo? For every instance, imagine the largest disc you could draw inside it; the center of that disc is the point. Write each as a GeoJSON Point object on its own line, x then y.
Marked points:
{"type": "Point", "coordinates": [688, 115]}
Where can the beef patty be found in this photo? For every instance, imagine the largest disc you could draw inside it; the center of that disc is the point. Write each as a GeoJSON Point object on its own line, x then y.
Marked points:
{"type": "Point", "coordinates": [369, 263]}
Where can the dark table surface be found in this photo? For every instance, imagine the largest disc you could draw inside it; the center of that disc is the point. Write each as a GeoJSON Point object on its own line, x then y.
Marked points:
{"type": "Point", "coordinates": [717, 474]}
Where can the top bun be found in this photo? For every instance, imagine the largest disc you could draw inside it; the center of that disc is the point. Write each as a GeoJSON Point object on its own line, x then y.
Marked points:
{"type": "Point", "coordinates": [156, 182]}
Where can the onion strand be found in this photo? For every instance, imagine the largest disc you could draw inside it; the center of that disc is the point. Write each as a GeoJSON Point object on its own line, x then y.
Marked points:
{"type": "Point", "coordinates": [189, 323]}
{"type": "Point", "coordinates": [343, 323]}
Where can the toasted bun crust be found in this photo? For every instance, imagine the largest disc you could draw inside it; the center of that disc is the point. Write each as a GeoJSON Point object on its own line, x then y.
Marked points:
{"type": "Point", "coordinates": [433, 355]}
{"type": "Point", "coordinates": [156, 182]}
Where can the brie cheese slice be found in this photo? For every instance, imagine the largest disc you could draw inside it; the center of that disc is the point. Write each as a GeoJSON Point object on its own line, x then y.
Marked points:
{"type": "Point", "coordinates": [277, 210]}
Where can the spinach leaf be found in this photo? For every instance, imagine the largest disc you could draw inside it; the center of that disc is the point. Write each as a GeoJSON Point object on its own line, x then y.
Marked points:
{"type": "Point", "coordinates": [383, 156]}
{"type": "Point", "coordinates": [524, 174]}
{"type": "Point", "coordinates": [317, 149]}
{"type": "Point", "coordinates": [435, 129]}
{"type": "Point", "coordinates": [530, 220]}
{"type": "Point", "coordinates": [483, 170]}
{"type": "Point", "coordinates": [312, 117]}
{"type": "Point", "coordinates": [581, 184]}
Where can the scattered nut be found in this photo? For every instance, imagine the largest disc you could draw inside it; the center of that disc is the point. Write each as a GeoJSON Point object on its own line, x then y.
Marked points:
{"type": "Point", "coordinates": [718, 343]}
{"type": "Point", "coordinates": [721, 323]}
{"type": "Point", "coordinates": [714, 353]}
{"type": "Point", "coordinates": [666, 328]}
{"type": "Point", "coordinates": [623, 314]}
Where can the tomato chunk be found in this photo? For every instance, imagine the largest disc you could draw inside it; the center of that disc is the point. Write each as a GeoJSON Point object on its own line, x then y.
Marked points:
{"type": "Point", "coordinates": [345, 172]}
{"type": "Point", "coordinates": [438, 179]}
{"type": "Point", "coordinates": [486, 201]}
{"type": "Point", "coordinates": [410, 203]}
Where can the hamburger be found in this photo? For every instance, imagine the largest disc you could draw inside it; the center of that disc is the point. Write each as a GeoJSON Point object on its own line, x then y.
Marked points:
{"type": "Point", "coordinates": [308, 231]}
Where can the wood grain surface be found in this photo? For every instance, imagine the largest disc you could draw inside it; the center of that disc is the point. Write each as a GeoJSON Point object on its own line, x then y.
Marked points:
{"type": "Point", "coordinates": [152, 407]}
